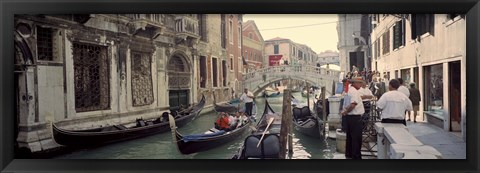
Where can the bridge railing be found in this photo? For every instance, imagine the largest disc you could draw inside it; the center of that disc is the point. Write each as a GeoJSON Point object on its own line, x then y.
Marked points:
{"type": "Point", "coordinates": [311, 71]}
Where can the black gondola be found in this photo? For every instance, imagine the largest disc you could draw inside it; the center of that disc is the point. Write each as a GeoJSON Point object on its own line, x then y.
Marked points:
{"type": "Point", "coordinates": [304, 121]}
{"type": "Point", "coordinates": [212, 138]}
{"type": "Point", "coordinates": [270, 144]}
{"type": "Point", "coordinates": [226, 107]}
{"type": "Point", "coordinates": [116, 133]}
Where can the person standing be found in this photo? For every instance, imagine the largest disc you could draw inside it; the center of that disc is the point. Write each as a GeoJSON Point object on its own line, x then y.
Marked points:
{"type": "Point", "coordinates": [393, 104]}
{"type": "Point", "coordinates": [367, 97]}
{"type": "Point", "coordinates": [402, 88]}
{"type": "Point", "coordinates": [247, 98]}
{"type": "Point", "coordinates": [415, 98]}
{"type": "Point", "coordinates": [353, 112]}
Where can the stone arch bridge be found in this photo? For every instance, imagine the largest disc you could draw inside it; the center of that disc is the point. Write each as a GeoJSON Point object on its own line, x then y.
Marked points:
{"type": "Point", "coordinates": [259, 79]}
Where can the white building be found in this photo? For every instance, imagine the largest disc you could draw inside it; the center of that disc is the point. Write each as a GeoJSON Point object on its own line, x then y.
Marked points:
{"type": "Point", "coordinates": [287, 51]}
{"type": "Point", "coordinates": [353, 31]}
{"type": "Point", "coordinates": [328, 57]}
{"type": "Point", "coordinates": [428, 49]}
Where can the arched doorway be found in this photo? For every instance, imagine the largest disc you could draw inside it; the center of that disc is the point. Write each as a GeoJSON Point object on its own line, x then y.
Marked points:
{"type": "Point", "coordinates": [179, 81]}
{"type": "Point", "coordinates": [23, 80]}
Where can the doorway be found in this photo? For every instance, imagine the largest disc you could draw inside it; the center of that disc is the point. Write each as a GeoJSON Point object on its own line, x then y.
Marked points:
{"type": "Point", "coordinates": [357, 59]}
{"type": "Point", "coordinates": [455, 96]}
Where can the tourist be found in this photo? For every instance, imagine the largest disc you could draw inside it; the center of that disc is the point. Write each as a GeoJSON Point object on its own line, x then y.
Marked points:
{"type": "Point", "coordinates": [415, 98]}
{"type": "Point", "coordinates": [402, 88]}
{"type": "Point", "coordinates": [393, 104]}
{"type": "Point", "coordinates": [222, 122]}
{"type": "Point", "coordinates": [353, 112]}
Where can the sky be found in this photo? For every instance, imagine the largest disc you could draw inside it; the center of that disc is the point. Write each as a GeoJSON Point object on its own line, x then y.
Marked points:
{"type": "Point", "coordinates": [317, 31]}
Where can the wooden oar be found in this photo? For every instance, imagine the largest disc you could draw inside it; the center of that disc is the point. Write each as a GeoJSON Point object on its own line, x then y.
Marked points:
{"type": "Point", "coordinates": [270, 121]}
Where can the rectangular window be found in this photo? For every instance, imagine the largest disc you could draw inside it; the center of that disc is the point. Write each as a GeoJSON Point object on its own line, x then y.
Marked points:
{"type": "Point", "coordinates": [231, 62]}
{"type": "Point", "coordinates": [240, 64]}
{"type": "Point", "coordinates": [421, 24]}
{"type": "Point", "coordinates": [91, 77]}
{"type": "Point", "coordinates": [230, 31]}
{"type": "Point", "coordinates": [223, 28]}
{"type": "Point", "coordinates": [45, 43]}
{"type": "Point", "coordinates": [398, 34]}
{"type": "Point", "coordinates": [405, 75]}
{"type": "Point", "coordinates": [275, 49]}
{"type": "Point", "coordinates": [224, 72]}
{"type": "Point", "coordinates": [142, 92]}
{"type": "Point", "coordinates": [386, 42]}
{"type": "Point", "coordinates": [214, 72]}
{"type": "Point", "coordinates": [202, 25]}
{"type": "Point", "coordinates": [203, 72]}
{"type": "Point", "coordinates": [378, 48]}
{"type": "Point", "coordinates": [434, 89]}
{"type": "Point", "coordinates": [239, 37]}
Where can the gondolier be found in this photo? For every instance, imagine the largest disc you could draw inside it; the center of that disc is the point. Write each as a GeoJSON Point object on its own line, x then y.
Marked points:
{"type": "Point", "coordinates": [247, 98]}
{"type": "Point", "coordinates": [353, 111]}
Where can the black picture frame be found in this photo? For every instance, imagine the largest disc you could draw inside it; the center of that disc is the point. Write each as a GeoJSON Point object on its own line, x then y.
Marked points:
{"type": "Point", "coordinates": [9, 8]}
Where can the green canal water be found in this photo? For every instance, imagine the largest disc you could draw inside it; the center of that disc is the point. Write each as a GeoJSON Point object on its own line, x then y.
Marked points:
{"type": "Point", "coordinates": [160, 146]}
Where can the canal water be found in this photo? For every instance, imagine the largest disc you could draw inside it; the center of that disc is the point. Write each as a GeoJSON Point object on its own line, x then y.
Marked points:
{"type": "Point", "coordinates": [160, 146]}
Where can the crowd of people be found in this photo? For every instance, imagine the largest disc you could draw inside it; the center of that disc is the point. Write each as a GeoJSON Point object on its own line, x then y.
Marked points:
{"type": "Point", "coordinates": [359, 90]}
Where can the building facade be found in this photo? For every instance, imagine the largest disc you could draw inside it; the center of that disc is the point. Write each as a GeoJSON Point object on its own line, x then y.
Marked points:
{"type": "Point", "coordinates": [353, 44]}
{"type": "Point", "coordinates": [328, 57]}
{"type": "Point", "coordinates": [214, 72]}
{"type": "Point", "coordinates": [429, 50]}
{"type": "Point", "coordinates": [253, 46]}
{"type": "Point", "coordinates": [232, 42]}
{"type": "Point", "coordinates": [84, 71]}
{"type": "Point", "coordinates": [282, 51]}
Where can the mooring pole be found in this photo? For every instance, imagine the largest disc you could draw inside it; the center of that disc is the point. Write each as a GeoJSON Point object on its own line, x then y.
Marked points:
{"type": "Point", "coordinates": [324, 106]}
{"type": "Point", "coordinates": [285, 129]}
{"type": "Point", "coordinates": [308, 95]}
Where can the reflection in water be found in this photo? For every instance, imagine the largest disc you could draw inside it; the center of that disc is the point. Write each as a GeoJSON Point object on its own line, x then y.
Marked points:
{"type": "Point", "coordinates": [160, 146]}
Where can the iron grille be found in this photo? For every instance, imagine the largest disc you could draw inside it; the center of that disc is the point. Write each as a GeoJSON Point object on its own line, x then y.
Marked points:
{"type": "Point", "coordinates": [44, 44]}
{"type": "Point", "coordinates": [91, 73]}
{"type": "Point", "coordinates": [371, 116]}
{"type": "Point", "coordinates": [142, 92]}
{"type": "Point", "coordinates": [178, 72]}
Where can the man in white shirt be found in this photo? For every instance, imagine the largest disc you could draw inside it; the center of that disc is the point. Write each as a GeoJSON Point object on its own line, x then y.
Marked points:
{"type": "Point", "coordinates": [353, 112]}
{"type": "Point", "coordinates": [394, 104]}
{"type": "Point", "coordinates": [402, 88]}
{"type": "Point", "coordinates": [247, 98]}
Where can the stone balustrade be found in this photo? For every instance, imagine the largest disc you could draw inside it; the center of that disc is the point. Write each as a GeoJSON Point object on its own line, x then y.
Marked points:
{"type": "Point", "coordinates": [394, 141]}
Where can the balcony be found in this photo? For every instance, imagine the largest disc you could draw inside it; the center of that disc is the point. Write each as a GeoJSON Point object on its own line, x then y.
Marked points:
{"type": "Point", "coordinates": [187, 29]}
{"type": "Point", "coordinates": [148, 25]}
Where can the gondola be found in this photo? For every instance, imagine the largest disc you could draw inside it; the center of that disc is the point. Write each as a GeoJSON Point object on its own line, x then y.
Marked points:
{"type": "Point", "coordinates": [116, 133]}
{"type": "Point", "coordinates": [188, 144]}
{"type": "Point", "coordinates": [234, 101]}
{"type": "Point", "coordinates": [272, 93]}
{"type": "Point", "coordinates": [304, 121]}
{"type": "Point", "coordinates": [269, 147]}
{"type": "Point", "coordinates": [318, 108]}
{"type": "Point", "coordinates": [226, 107]}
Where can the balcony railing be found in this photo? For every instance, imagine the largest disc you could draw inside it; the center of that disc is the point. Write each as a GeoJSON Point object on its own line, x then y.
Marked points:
{"type": "Point", "coordinates": [185, 24]}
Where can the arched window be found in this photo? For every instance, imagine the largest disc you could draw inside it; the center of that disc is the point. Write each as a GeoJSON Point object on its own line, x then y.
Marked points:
{"type": "Point", "coordinates": [176, 64]}
{"type": "Point", "coordinates": [356, 41]}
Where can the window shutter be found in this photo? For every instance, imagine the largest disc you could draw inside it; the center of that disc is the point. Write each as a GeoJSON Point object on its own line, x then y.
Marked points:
{"type": "Point", "coordinates": [397, 34]}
